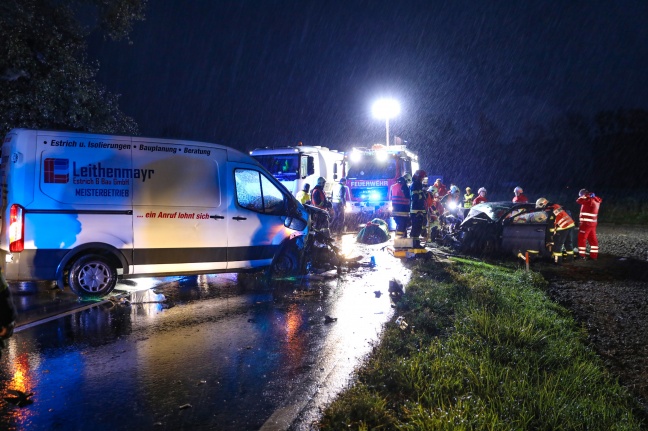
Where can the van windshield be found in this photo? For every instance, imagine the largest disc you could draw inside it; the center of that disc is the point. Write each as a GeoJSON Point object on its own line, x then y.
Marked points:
{"type": "Point", "coordinates": [281, 166]}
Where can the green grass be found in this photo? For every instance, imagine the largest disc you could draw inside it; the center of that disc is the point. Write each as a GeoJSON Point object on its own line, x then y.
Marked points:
{"type": "Point", "coordinates": [485, 349]}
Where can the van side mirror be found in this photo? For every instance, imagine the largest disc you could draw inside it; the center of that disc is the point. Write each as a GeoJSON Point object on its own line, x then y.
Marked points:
{"type": "Point", "coordinates": [295, 223]}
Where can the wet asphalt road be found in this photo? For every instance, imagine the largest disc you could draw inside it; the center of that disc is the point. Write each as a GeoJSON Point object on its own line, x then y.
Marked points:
{"type": "Point", "coordinates": [223, 352]}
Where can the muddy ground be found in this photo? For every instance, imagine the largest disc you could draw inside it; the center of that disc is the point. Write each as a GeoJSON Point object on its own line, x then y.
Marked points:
{"type": "Point", "coordinates": [609, 297]}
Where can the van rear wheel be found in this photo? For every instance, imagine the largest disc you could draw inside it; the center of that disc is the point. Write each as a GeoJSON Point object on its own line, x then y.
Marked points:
{"type": "Point", "coordinates": [92, 276]}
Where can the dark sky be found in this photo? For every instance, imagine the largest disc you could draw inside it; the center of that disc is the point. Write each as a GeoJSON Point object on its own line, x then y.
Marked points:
{"type": "Point", "coordinates": [260, 72]}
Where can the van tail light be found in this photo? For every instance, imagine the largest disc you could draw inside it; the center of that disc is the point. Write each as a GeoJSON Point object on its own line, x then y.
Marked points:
{"type": "Point", "coordinates": [16, 229]}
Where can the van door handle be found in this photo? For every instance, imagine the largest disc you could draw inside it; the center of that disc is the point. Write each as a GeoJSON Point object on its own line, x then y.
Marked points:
{"type": "Point", "coordinates": [217, 217]}
{"type": "Point", "coordinates": [539, 230]}
{"type": "Point", "coordinates": [237, 218]}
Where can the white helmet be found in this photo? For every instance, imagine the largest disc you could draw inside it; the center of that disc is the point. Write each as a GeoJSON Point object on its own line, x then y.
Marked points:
{"type": "Point", "coordinates": [321, 181]}
{"type": "Point", "coordinates": [481, 189]}
{"type": "Point", "coordinates": [454, 189]}
{"type": "Point", "coordinates": [541, 203]}
{"type": "Point", "coordinates": [517, 190]}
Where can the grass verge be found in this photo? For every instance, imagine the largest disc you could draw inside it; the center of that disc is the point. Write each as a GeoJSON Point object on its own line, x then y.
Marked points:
{"type": "Point", "coordinates": [484, 348]}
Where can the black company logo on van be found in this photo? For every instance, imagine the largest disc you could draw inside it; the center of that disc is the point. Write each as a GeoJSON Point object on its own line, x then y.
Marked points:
{"type": "Point", "coordinates": [57, 171]}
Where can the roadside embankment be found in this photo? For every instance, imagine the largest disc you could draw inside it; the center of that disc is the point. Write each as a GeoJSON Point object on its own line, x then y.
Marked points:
{"type": "Point", "coordinates": [482, 347]}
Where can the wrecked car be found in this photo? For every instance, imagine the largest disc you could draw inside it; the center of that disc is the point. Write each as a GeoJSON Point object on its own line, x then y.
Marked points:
{"type": "Point", "coordinates": [503, 227]}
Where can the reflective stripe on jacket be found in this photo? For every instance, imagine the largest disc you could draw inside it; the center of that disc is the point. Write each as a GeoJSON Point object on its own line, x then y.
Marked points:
{"type": "Point", "coordinates": [562, 219]}
{"type": "Point", "coordinates": [589, 209]}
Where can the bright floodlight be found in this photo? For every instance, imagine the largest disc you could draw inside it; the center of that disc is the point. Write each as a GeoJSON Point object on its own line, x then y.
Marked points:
{"type": "Point", "coordinates": [386, 108]}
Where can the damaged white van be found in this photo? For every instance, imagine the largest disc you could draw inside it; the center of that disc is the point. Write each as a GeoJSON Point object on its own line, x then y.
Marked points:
{"type": "Point", "coordinates": [84, 209]}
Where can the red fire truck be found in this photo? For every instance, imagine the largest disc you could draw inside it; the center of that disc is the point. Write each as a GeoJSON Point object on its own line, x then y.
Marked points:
{"type": "Point", "coordinates": [370, 174]}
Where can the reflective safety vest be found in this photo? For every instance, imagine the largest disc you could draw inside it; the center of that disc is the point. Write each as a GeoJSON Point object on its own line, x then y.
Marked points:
{"type": "Point", "coordinates": [468, 198]}
{"type": "Point", "coordinates": [340, 194]}
{"type": "Point", "coordinates": [400, 199]}
{"type": "Point", "coordinates": [589, 209]}
{"type": "Point", "coordinates": [318, 198]}
{"type": "Point", "coordinates": [562, 219]}
{"type": "Point", "coordinates": [397, 195]}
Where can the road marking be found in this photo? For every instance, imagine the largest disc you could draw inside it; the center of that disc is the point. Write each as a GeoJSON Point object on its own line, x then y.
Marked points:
{"type": "Point", "coordinates": [57, 316]}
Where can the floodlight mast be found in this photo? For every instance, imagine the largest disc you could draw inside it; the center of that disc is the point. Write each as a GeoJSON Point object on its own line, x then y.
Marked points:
{"type": "Point", "coordinates": [386, 108]}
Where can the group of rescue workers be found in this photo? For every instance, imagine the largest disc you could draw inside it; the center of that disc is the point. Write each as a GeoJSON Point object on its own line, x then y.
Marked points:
{"type": "Point", "coordinates": [425, 208]}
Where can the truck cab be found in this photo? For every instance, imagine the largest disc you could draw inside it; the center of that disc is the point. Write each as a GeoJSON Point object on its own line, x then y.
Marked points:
{"type": "Point", "coordinates": [297, 165]}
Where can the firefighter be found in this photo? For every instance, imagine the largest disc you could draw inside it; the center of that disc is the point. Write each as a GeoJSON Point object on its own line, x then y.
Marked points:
{"type": "Point", "coordinates": [7, 312]}
{"type": "Point", "coordinates": [440, 187]}
{"type": "Point", "coordinates": [519, 197]}
{"type": "Point", "coordinates": [319, 200]}
{"type": "Point", "coordinates": [481, 196]}
{"type": "Point", "coordinates": [417, 206]}
{"type": "Point", "coordinates": [559, 230]}
{"type": "Point", "coordinates": [434, 210]}
{"type": "Point", "coordinates": [468, 198]}
{"type": "Point", "coordinates": [588, 218]}
{"type": "Point", "coordinates": [303, 195]}
{"type": "Point", "coordinates": [339, 198]}
{"type": "Point", "coordinates": [399, 195]}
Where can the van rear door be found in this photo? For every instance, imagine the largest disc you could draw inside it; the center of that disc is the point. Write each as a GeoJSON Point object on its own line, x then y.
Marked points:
{"type": "Point", "coordinates": [179, 209]}
{"type": "Point", "coordinates": [256, 213]}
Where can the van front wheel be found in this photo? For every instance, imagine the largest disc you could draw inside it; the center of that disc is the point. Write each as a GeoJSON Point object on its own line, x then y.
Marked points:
{"type": "Point", "coordinates": [92, 276]}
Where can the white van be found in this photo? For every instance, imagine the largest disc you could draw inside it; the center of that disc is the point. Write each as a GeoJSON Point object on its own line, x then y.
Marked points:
{"type": "Point", "coordinates": [84, 209]}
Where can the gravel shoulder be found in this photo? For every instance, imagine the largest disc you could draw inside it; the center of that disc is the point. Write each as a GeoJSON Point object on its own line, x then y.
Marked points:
{"type": "Point", "coordinates": [609, 297]}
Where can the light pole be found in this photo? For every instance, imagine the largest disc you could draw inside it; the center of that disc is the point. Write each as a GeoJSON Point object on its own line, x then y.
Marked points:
{"type": "Point", "coordinates": [386, 108]}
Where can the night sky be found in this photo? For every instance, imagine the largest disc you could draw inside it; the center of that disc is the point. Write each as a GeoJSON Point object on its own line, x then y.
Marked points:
{"type": "Point", "coordinates": [262, 73]}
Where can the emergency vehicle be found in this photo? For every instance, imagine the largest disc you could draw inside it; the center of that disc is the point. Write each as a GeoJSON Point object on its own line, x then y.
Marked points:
{"type": "Point", "coordinates": [370, 174]}
{"type": "Point", "coordinates": [84, 209]}
{"type": "Point", "coordinates": [297, 165]}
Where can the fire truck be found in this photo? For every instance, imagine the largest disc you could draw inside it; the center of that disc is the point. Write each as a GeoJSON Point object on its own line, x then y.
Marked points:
{"type": "Point", "coordinates": [297, 165]}
{"type": "Point", "coordinates": [370, 174]}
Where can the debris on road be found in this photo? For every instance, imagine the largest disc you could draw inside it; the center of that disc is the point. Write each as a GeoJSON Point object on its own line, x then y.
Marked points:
{"type": "Point", "coordinates": [20, 398]}
{"type": "Point", "coordinates": [401, 323]}
{"type": "Point", "coordinates": [329, 319]}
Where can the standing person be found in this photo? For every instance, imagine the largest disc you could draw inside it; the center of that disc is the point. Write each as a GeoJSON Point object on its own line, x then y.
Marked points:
{"type": "Point", "coordinates": [418, 214]}
{"type": "Point", "coordinates": [590, 204]}
{"type": "Point", "coordinates": [519, 197]}
{"type": "Point", "coordinates": [339, 198]}
{"type": "Point", "coordinates": [559, 229]}
{"type": "Point", "coordinates": [442, 190]}
{"type": "Point", "coordinates": [399, 195]}
{"type": "Point", "coordinates": [303, 195]}
{"type": "Point", "coordinates": [434, 211]}
{"type": "Point", "coordinates": [481, 196]}
{"type": "Point", "coordinates": [468, 198]}
{"type": "Point", "coordinates": [319, 200]}
{"type": "Point", "coordinates": [7, 312]}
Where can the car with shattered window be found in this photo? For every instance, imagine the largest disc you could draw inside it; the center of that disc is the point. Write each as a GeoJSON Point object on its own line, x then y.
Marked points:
{"type": "Point", "coordinates": [505, 228]}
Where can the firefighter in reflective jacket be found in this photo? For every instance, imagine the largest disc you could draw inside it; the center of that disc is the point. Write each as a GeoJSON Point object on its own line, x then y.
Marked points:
{"type": "Point", "coordinates": [559, 230]}
{"type": "Point", "coordinates": [399, 195]}
{"type": "Point", "coordinates": [319, 200]}
{"type": "Point", "coordinates": [418, 213]}
{"type": "Point", "coordinates": [590, 204]}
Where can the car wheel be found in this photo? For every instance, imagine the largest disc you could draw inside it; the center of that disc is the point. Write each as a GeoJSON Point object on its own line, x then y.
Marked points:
{"type": "Point", "coordinates": [286, 263]}
{"type": "Point", "coordinates": [92, 276]}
